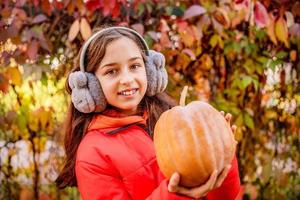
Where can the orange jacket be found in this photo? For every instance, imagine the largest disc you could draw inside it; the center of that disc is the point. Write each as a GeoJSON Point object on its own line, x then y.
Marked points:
{"type": "Point", "coordinates": [116, 161]}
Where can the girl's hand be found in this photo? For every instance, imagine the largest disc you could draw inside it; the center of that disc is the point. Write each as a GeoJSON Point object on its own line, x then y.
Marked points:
{"type": "Point", "coordinates": [213, 182]}
{"type": "Point", "coordinates": [228, 117]}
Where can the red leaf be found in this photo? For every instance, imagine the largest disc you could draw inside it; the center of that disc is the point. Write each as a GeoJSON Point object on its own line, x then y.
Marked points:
{"type": "Point", "coordinates": [36, 3]}
{"type": "Point", "coordinates": [108, 6]}
{"type": "Point", "coordinates": [3, 83]}
{"type": "Point", "coordinates": [20, 13]}
{"type": "Point", "coordinates": [182, 26]}
{"type": "Point", "coordinates": [32, 50]}
{"type": "Point", "coordinates": [93, 5]}
{"type": "Point", "coordinates": [20, 3]}
{"type": "Point", "coordinates": [116, 11]}
{"type": "Point", "coordinates": [58, 4]}
{"type": "Point", "coordinates": [193, 11]}
{"type": "Point", "coordinates": [261, 15]}
{"type": "Point", "coordinates": [47, 7]}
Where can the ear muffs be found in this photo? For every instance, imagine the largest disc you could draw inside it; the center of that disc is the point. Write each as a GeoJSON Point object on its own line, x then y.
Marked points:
{"type": "Point", "coordinates": [157, 76]}
{"type": "Point", "coordinates": [87, 95]}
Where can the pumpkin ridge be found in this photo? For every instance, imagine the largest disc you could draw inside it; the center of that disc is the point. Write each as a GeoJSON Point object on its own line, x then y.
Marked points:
{"type": "Point", "coordinates": [218, 137]}
{"type": "Point", "coordinates": [201, 135]}
{"type": "Point", "coordinates": [208, 140]}
{"type": "Point", "coordinates": [182, 151]}
{"type": "Point", "coordinates": [196, 148]}
{"type": "Point", "coordinates": [169, 140]}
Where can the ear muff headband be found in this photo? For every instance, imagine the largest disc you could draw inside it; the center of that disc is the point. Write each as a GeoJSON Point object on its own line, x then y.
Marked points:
{"type": "Point", "coordinates": [87, 43]}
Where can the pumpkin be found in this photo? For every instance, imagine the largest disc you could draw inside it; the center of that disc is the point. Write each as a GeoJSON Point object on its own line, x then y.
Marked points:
{"type": "Point", "coordinates": [193, 140]}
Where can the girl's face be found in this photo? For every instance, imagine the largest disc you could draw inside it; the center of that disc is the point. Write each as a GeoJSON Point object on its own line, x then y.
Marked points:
{"type": "Point", "coordinates": [122, 75]}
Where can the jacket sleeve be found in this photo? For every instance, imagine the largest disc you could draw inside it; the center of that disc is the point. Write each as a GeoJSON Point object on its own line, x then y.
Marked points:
{"type": "Point", "coordinates": [94, 184]}
{"type": "Point", "coordinates": [161, 192]}
{"type": "Point", "coordinates": [230, 186]}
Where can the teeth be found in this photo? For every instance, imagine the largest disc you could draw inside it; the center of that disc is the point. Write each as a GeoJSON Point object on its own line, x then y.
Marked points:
{"type": "Point", "coordinates": [127, 93]}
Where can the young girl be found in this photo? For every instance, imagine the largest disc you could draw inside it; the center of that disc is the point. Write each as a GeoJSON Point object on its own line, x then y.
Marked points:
{"type": "Point", "coordinates": [117, 91]}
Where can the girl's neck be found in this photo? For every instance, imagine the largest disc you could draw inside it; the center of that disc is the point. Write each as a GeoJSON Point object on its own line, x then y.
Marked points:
{"type": "Point", "coordinates": [126, 113]}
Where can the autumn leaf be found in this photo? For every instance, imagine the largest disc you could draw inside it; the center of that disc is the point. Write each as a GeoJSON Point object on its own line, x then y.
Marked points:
{"type": "Point", "coordinates": [289, 19]}
{"type": "Point", "coordinates": [108, 6]}
{"type": "Point", "coordinates": [4, 83]}
{"type": "Point", "coordinates": [47, 7]}
{"type": "Point", "coordinates": [261, 16]}
{"type": "Point", "coordinates": [73, 30]}
{"type": "Point", "coordinates": [39, 18]}
{"type": "Point", "coordinates": [32, 49]}
{"type": "Point", "coordinates": [93, 5]}
{"type": "Point", "coordinates": [281, 31]}
{"type": "Point", "coordinates": [271, 29]}
{"type": "Point", "coordinates": [194, 10]}
{"type": "Point", "coordinates": [206, 62]}
{"type": "Point", "coordinates": [190, 53]}
{"type": "Point", "coordinates": [85, 29]}
{"type": "Point", "coordinates": [139, 28]}
{"type": "Point", "coordinates": [14, 75]}
{"type": "Point", "coordinates": [221, 16]}
{"type": "Point", "coordinates": [216, 40]}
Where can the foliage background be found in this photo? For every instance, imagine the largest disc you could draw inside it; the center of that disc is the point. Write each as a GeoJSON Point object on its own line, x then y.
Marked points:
{"type": "Point", "coordinates": [242, 56]}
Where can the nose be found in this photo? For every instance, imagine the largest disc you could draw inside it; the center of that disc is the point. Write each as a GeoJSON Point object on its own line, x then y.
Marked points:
{"type": "Point", "coordinates": [126, 78]}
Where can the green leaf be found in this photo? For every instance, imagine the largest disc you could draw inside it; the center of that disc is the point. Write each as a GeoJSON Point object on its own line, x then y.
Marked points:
{"type": "Point", "coordinates": [248, 121]}
{"type": "Point", "coordinates": [246, 80]}
{"type": "Point", "coordinates": [141, 9]}
{"type": "Point", "coordinates": [177, 11]}
{"type": "Point", "coordinates": [281, 54]}
{"type": "Point", "coordinates": [44, 79]}
{"type": "Point", "coordinates": [21, 122]}
{"type": "Point", "coordinates": [239, 120]}
{"type": "Point", "coordinates": [274, 63]}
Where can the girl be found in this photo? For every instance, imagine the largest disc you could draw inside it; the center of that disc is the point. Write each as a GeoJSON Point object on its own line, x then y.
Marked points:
{"type": "Point", "coordinates": [117, 96]}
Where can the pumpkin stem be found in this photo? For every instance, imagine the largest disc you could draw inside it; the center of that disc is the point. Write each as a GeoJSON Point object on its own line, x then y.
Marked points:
{"type": "Point", "coordinates": [183, 95]}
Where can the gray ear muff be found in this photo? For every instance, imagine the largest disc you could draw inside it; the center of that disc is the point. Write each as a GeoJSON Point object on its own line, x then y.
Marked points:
{"type": "Point", "coordinates": [157, 75]}
{"type": "Point", "coordinates": [82, 83]}
{"type": "Point", "coordinates": [96, 92]}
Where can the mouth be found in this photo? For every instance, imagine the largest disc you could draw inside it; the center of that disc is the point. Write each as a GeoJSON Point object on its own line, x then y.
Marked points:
{"type": "Point", "coordinates": [128, 92]}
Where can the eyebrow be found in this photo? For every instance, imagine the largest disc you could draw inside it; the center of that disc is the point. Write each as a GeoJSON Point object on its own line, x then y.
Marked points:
{"type": "Point", "coordinates": [111, 64]}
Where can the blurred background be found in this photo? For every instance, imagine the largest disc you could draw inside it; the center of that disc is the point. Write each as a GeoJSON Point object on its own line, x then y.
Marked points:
{"type": "Point", "coordinates": [242, 56]}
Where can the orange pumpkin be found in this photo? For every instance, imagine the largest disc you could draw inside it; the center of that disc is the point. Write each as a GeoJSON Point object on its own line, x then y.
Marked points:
{"type": "Point", "coordinates": [193, 140]}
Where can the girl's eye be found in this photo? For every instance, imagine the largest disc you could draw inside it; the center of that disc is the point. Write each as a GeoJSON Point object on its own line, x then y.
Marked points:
{"type": "Point", "coordinates": [135, 66]}
{"type": "Point", "coordinates": [110, 72]}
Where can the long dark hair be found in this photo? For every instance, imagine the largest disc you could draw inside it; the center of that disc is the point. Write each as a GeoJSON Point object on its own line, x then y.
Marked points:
{"type": "Point", "coordinates": [76, 122]}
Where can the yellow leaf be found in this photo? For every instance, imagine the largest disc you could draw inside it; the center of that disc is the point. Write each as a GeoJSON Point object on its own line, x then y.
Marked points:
{"type": "Point", "coordinates": [216, 40]}
{"type": "Point", "coordinates": [270, 29]}
{"type": "Point", "coordinates": [73, 30]}
{"type": "Point", "coordinates": [14, 75]}
{"type": "Point", "coordinates": [85, 29]}
{"type": "Point", "coordinates": [188, 37]}
{"type": "Point", "coordinates": [206, 62]}
{"type": "Point", "coordinates": [281, 31]}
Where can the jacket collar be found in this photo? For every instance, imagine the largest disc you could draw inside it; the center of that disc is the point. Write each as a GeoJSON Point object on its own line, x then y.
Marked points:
{"type": "Point", "coordinates": [111, 119]}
